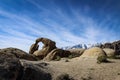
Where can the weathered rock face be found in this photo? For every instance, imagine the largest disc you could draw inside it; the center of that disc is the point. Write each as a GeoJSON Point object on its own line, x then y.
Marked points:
{"type": "Point", "coordinates": [49, 51]}
{"type": "Point", "coordinates": [109, 52]}
{"type": "Point", "coordinates": [49, 45]}
{"type": "Point", "coordinates": [18, 53]}
{"type": "Point", "coordinates": [76, 52]}
{"type": "Point", "coordinates": [115, 45]}
{"type": "Point", "coordinates": [33, 48]}
{"type": "Point", "coordinates": [108, 45]}
{"type": "Point", "coordinates": [94, 52]}
{"type": "Point", "coordinates": [57, 52]}
{"type": "Point", "coordinates": [11, 68]}
{"type": "Point", "coordinates": [38, 71]}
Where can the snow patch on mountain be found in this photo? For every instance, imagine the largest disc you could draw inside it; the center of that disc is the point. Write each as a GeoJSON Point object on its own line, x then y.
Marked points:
{"type": "Point", "coordinates": [84, 46]}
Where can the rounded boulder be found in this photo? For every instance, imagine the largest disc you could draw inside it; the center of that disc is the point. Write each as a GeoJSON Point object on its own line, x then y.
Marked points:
{"type": "Point", "coordinates": [94, 52]}
{"type": "Point", "coordinates": [109, 52]}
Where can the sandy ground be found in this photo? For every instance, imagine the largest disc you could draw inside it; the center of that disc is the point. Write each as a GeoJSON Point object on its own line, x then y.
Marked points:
{"type": "Point", "coordinates": [87, 69]}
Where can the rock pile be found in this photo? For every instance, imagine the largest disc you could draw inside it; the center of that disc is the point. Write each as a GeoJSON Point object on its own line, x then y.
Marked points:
{"type": "Point", "coordinates": [115, 45]}
{"type": "Point", "coordinates": [11, 68]}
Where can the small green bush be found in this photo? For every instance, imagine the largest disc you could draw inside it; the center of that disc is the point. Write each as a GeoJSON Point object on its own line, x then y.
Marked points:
{"type": "Point", "coordinates": [72, 56]}
{"type": "Point", "coordinates": [66, 60]}
{"type": "Point", "coordinates": [64, 77]}
{"type": "Point", "coordinates": [58, 58]}
{"type": "Point", "coordinates": [101, 59]}
{"type": "Point", "coordinates": [87, 78]}
{"type": "Point", "coordinates": [112, 57]}
{"type": "Point", "coordinates": [118, 73]}
{"type": "Point", "coordinates": [92, 69]}
{"type": "Point", "coordinates": [117, 57]}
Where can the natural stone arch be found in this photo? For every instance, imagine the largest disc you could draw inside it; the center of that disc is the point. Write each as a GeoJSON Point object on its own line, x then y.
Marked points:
{"type": "Point", "coordinates": [48, 46]}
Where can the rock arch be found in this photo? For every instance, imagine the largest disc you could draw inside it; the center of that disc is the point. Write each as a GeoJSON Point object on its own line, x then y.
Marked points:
{"type": "Point", "coordinates": [48, 46]}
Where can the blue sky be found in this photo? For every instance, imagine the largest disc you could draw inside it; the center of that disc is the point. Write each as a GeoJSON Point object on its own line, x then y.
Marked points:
{"type": "Point", "coordinates": [68, 22]}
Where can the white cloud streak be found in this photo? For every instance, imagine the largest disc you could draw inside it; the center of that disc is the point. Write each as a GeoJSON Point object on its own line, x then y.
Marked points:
{"type": "Point", "coordinates": [25, 30]}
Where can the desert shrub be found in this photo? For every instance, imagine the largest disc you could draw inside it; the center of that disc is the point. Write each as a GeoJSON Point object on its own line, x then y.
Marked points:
{"type": "Point", "coordinates": [101, 59]}
{"type": "Point", "coordinates": [112, 57]}
{"type": "Point", "coordinates": [118, 74]}
{"type": "Point", "coordinates": [72, 56]}
{"type": "Point", "coordinates": [64, 77]}
{"type": "Point", "coordinates": [117, 57]}
{"type": "Point", "coordinates": [66, 60]}
{"type": "Point", "coordinates": [58, 58]}
{"type": "Point", "coordinates": [92, 69]}
{"type": "Point", "coordinates": [87, 78]}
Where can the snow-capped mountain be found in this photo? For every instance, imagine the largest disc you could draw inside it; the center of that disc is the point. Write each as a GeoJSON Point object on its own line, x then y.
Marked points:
{"type": "Point", "coordinates": [84, 46]}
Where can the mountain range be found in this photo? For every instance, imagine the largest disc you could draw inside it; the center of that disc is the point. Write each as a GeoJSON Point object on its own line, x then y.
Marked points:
{"type": "Point", "coordinates": [84, 46]}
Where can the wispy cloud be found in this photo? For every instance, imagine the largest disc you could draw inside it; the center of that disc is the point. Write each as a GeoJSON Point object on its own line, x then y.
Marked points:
{"type": "Point", "coordinates": [20, 30]}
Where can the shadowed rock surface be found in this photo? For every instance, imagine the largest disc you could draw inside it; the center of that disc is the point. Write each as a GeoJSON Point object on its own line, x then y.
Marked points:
{"type": "Point", "coordinates": [35, 71]}
{"type": "Point", "coordinates": [33, 48]}
{"type": "Point", "coordinates": [57, 52]}
{"type": "Point", "coordinates": [76, 52]}
{"type": "Point", "coordinates": [114, 45]}
{"type": "Point", "coordinates": [18, 53]}
{"type": "Point", "coordinates": [11, 68]}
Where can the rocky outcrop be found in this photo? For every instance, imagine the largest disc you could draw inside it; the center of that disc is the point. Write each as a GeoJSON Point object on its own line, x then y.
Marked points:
{"type": "Point", "coordinates": [49, 51]}
{"type": "Point", "coordinates": [35, 71]}
{"type": "Point", "coordinates": [33, 48]}
{"type": "Point", "coordinates": [18, 53]}
{"type": "Point", "coordinates": [49, 45]}
{"type": "Point", "coordinates": [114, 45]}
{"type": "Point", "coordinates": [11, 68]}
{"type": "Point", "coordinates": [94, 52]}
{"type": "Point", "coordinates": [110, 52]}
{"type": "Point", "coordinates": [57, 52]}
{"type": "Point", "coordinates": [108, 45]}
{"type": "Point", "coordinates": [76, 52]}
